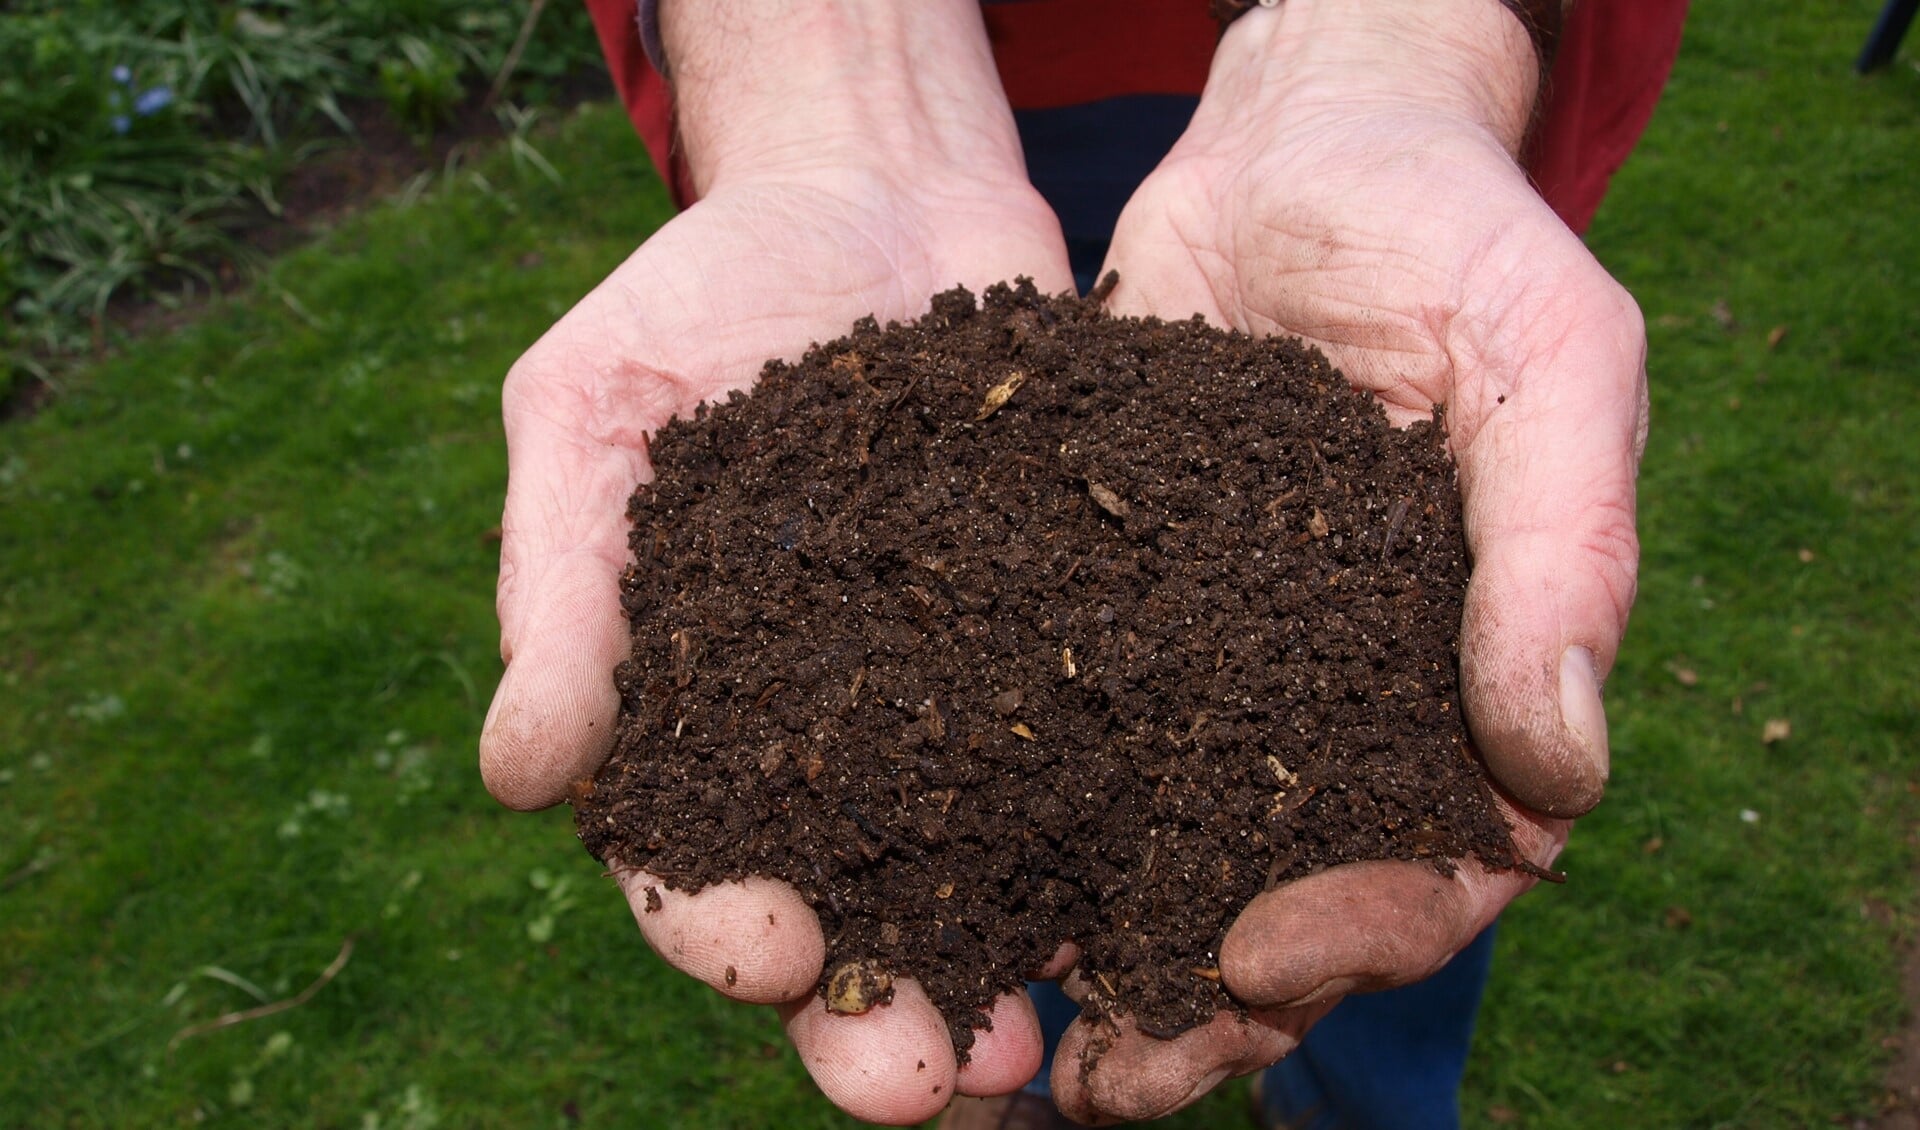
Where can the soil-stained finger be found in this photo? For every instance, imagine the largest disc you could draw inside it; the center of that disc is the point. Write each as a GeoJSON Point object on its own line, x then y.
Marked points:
{"type": "Point", "coordinates": [754, 940]}
{"type": "Point", "coordinates": [892, 1064]}
{"type": "Point", "coordinates": [1004, 1057]}
{"type": "Point", "coordinates": [1362, 927]}
{"type": "Point", "coordinates": [1103, 1074]}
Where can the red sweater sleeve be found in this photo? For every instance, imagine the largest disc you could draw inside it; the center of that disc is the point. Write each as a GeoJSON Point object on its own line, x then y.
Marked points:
{"type": "Point", "coordinates": [1613, 63]}
{"type": "Point", "coordinates": [648, 99]}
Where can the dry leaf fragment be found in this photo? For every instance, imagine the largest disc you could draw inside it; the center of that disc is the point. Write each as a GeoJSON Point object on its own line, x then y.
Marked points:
{"type": "Point", "coordinates": [1806, 556]}
{"type": "Point", "coordinates": [1317, 525]}
{"type": "Point", "coordinates": [1776, 730]}
{"type": "Point", "coordinates": [1685, 676]}
{"type": "Point", "coordinates": [1107, 500]}
{"type": "Point", "coordinates": [686, 653]}
{"type": "Point", "coordinates": [1775, 336]}
{"type": "Point", "coordinates": [999, 394]}
{"type": "Point", "coordinates": [1021, 729]}
{"type": "Point", "coordinates": [1286, 777]}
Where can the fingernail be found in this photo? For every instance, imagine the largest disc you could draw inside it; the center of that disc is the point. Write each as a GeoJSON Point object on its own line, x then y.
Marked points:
{"type": "Point", "coordinates": [1580, 707]}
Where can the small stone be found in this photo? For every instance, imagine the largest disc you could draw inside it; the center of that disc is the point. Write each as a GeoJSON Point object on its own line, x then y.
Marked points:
{"type": "Point", "coordinates": [858, 986]}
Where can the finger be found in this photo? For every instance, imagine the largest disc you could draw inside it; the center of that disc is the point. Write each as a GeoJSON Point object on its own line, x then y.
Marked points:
{"type": "Point", "coordinates": [1057, 966]}
{"type": "Point", "coordinates": [1547, 479]}
{"type": "Point", "coordinates": [1103, 1073]}
{"type": "Point", "coordinates": [1006, 1054]}
{"type": "Point", "coordinates": [576, 450]}
{"type": "Point", "coordinates": [754, 940]}
{"type": "Point", "coordinates": [1362, 927]}
{"type": "Point", "coordinates": [893, 1064]}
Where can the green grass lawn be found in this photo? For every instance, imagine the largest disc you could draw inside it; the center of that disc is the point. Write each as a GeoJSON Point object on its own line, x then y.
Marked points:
{"type": "Point", "coordinates": [246, 641]}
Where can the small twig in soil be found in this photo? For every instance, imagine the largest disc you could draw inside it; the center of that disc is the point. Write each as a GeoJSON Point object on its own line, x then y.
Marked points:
{"type": "Point", "coordinates": [1394, 519]}
{"type": "Point", "coordinates": [230, 1019]}
{"type": "Point", "coordinates": [1280, 863]}
{"type": "Point", "coordinates": [1314, 445]}
{"type": "Point", "coordinates": [1102, 289]}
{"type": "Point", "coordinates": [886, 414]}
{"type": "Point", "coordinates": [1528, 867]}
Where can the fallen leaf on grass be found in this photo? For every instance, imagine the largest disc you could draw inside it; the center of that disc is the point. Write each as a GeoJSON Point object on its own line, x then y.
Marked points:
{"type": "Point", "coordinates": [1776, 730]}
{"type": "Point", "coordinates": [1679, 918]}
{"type": "Point", "coordinates": [1775, 336]}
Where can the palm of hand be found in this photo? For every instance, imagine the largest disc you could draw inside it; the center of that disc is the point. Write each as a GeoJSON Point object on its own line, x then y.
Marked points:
{"type": "Point", "coordinates": [1413, 252]}
{"type": "Point", "coordinates": [750, 273]}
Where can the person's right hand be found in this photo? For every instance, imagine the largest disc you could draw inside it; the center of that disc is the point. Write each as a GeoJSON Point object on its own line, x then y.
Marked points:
{"type": "Point", "coordinates": [815, 211]}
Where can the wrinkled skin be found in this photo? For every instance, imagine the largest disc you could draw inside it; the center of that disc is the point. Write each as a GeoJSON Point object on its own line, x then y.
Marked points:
{"type": "Point", "coordinates": [750, 272]}
{"type": "Point", "coordinates": [1403, 241]}
{"type": "Point", "coordinates": [1449, 282]}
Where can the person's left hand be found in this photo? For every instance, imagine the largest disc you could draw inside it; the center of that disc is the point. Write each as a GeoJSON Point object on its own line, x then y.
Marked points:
{"type": "Point", "coordinates": [1364, 200]}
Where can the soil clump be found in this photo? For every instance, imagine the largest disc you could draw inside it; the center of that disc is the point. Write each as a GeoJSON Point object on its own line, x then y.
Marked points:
{"type": "Point", "coordinates": [1022, 624]}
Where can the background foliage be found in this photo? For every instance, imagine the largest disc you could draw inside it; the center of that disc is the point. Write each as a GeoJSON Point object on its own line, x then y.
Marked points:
{"type": "Point", "coordinates": [246, 642]}
{"type": "Point", "coordinates": [136, 136]}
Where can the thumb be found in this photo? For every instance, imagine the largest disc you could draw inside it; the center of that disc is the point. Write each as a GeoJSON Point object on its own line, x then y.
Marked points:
{"type": "Point", "coordinates": [1547, 479]}
{"type": "Point", "coordinates": [563, 545]}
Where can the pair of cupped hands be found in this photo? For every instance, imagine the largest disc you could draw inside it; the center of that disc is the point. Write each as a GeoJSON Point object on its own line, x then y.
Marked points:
{"type": "Point", "coordinates": [1352, 186]}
